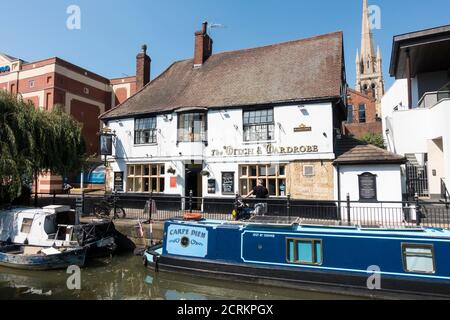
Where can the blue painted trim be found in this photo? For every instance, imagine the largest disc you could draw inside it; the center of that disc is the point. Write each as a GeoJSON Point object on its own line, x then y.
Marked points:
{"type": "Point", "coordinates": [338, 269]}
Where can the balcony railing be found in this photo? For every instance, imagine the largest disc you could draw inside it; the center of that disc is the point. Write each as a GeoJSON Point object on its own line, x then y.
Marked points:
{"type": "Point", "coordinates": [445, 194]}
{"type": "Point", "coordinates": [431, 99]}
{"type": "Point", "coordinates": [428, 100]}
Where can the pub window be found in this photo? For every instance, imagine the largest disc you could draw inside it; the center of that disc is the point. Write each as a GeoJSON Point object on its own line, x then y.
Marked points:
{"type": "Point", "coordinates": [26, 225]}
{"type": "Point", "coordinates": [192, 127]}
{"type": "Point", "coordinates": [350, 114]}
{"type": "Point", "coordinates": [362, 113]}
{"type": "Point", "coordinates": [145, 178]}
{"type": "Point", "coordinates": [145, 130]}
{"type": "Point", "coordinates": [259, 125]}
{"type": "Point", "coordinates": [273, 176]}
{"type": "Point", "coordinates": [418, 258]}
{"type": "Point", "coordinates": [367, 187]}
{"type": "Point", "coordinates": [304, 251]}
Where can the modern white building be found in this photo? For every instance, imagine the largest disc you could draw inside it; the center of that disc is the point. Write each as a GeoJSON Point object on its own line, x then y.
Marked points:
{"type": "Point", "coordinates": [416, 110]}
{"type": "Point", "coordinates": [217, 123]}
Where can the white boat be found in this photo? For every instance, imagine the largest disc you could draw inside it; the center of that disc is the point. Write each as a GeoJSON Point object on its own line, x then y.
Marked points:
{"type": "Point", "coordinates": [55, 226]}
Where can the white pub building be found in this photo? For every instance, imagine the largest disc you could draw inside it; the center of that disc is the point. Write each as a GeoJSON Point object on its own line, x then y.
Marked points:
{"type": "Point", "coordinates": [217, 123]}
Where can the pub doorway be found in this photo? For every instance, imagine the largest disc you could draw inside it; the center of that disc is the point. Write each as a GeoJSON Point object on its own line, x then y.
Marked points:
{"type": "Point", "coordinates": [194, 182]}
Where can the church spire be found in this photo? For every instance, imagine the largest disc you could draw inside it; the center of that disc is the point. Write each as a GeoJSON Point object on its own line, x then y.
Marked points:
{"type": "Point", "coordinates": [369, 73]}
{"type": "Point", "coordinates": [367, 47]}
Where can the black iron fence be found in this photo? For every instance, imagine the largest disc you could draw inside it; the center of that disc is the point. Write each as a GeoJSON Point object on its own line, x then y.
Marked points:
{"type": "Point", "coordinates": [283, 210]}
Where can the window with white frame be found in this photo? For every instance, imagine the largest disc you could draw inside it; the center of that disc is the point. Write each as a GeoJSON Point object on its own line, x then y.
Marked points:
{"type": "Point", "coordinates": [145, 130]}
{"type": "Point", "coordinates": [192, 127]}
{"type": "Point", "coordinates": [259, 125]}
{"type": "Point", "coordinates": [145, 178]}
{"type": "Point", "coordinates": [273, 177]}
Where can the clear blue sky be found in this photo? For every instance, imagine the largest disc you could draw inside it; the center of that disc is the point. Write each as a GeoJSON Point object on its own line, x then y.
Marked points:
{"type": "Point", "coordinates": [112, 31]}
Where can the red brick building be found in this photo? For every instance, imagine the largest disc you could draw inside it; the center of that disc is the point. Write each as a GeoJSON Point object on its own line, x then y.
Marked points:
{"type": "Point", "coordinates": [83, 94]}
{"type": "Point", "coordinates": [362, 115]}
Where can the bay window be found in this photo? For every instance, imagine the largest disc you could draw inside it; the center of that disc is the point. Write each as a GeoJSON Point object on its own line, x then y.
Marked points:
{"type": "Point", "coordinates": [192, 127]}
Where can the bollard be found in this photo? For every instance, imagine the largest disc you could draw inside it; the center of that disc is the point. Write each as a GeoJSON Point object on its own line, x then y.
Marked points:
{"type": "Point", "coordinates": [54, 197]}
{"type": "Point", "coordinates": [190, 201]}
{"type": "Point", "coordinates": [348, 209]}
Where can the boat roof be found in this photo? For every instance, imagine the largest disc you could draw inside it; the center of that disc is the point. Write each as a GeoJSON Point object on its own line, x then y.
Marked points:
{"type": "Point", "coordinates": [27, 210]}
{"type": "Point", "coordinates": [323, 227]}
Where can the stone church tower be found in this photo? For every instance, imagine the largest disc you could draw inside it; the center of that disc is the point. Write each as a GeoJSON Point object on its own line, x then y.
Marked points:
{"type": "Point", "coordinates": [369, 73]}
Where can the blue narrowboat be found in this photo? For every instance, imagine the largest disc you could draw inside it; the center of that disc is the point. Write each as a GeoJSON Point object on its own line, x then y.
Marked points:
{"type": "Point", "coordinates": [373, 262]}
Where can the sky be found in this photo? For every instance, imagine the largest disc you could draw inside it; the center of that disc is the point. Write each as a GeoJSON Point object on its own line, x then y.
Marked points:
{"type": "Point", "coordinates": [111, 32]}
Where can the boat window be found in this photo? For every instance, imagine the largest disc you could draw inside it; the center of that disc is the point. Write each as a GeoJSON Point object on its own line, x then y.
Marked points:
{"type": "Point", "coordinates": [26, 225]}
{"type": "Point", "coordinates": [304, 251]}
{"type": "Point", "coordinates": [418, 258]}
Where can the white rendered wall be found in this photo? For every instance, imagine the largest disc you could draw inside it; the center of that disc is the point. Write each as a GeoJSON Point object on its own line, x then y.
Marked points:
{"type": "Point", "coordinates": [225, 129]}
{"type": "Point", "coordinates": [389, 190]}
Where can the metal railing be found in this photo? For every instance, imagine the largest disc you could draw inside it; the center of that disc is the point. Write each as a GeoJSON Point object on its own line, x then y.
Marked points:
{"type": "Point", "coordinates": [280, 210]}
{"type": "Point", "coordinates": [430, 99]}
{"type": "Point", "coordinates": [445, 194]}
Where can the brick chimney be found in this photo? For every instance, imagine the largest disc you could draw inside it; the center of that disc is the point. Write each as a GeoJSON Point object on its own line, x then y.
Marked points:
{"type": "Point", "coordinates": [203, 46]}
{"type": "Point", "coordinates": [143, 62]}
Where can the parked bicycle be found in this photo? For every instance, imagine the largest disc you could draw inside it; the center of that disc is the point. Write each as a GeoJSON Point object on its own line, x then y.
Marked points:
{"type": "Point", "coordinates": [108, 207]}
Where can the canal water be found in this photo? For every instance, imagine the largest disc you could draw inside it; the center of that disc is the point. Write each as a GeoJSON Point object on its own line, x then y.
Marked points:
{"type": "Point", "coordinates": [125, 277]}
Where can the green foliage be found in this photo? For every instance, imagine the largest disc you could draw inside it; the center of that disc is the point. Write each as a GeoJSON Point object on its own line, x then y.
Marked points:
{"type": "Point", "coordinates": [374, 139]}
{"type": "Point", "coordinates": [33, 141]}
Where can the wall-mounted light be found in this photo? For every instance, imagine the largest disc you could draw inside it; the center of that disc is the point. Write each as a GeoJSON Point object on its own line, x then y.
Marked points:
{"type": "Point", "coordinates": [205, 173]}
{"type": "Point", "coordinates": [171, 170]}
{"type": "Point", "coordinates": [303, 110]}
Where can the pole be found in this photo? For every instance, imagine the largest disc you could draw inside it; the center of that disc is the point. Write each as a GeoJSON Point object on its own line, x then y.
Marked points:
{"type": "Point", "coordinates": [190, 200]}
{"type": "Point", "coordinates": [288, 206]}
{"type": "Point", "coordinates": [35, 190]}
{"type": "Point", "coordinates": [338, 169]}
{"type": "Point", "coordinates": [82, 181]}
{"type": "Point", "coordinates": [348, 209]}
{"type": "Point", "coordinates": [418, 210]}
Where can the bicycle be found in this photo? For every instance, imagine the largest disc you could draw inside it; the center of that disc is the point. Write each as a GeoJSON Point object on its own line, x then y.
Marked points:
{"type": "Point", "coordinates": [106, 207]}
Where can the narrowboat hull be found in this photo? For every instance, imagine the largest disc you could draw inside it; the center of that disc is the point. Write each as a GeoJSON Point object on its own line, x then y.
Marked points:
{"type": "Point", "coordinates": [324, 282]}
{"type": "Point", "coordinates": [42, 262]}
{"type": "Point", "coordinates": [261, 254]}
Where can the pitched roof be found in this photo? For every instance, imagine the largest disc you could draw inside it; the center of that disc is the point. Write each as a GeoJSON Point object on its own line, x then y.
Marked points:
{"type": "Point", "coordinates": [352, 151]}
{"type": "Point", "coordinates": [300, 70]}
{"type": "Point", "coordinates": [8, 57]}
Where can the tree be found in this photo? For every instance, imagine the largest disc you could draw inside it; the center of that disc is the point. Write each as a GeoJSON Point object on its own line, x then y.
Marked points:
{"type": "Point", "coordinates": [375, 139]}
{"type": "Point", "coordinates": [33, 141]}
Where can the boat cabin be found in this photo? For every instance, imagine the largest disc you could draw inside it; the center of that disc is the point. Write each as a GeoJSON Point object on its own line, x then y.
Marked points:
{"type": "Point", "coordinates": [52, 225]}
